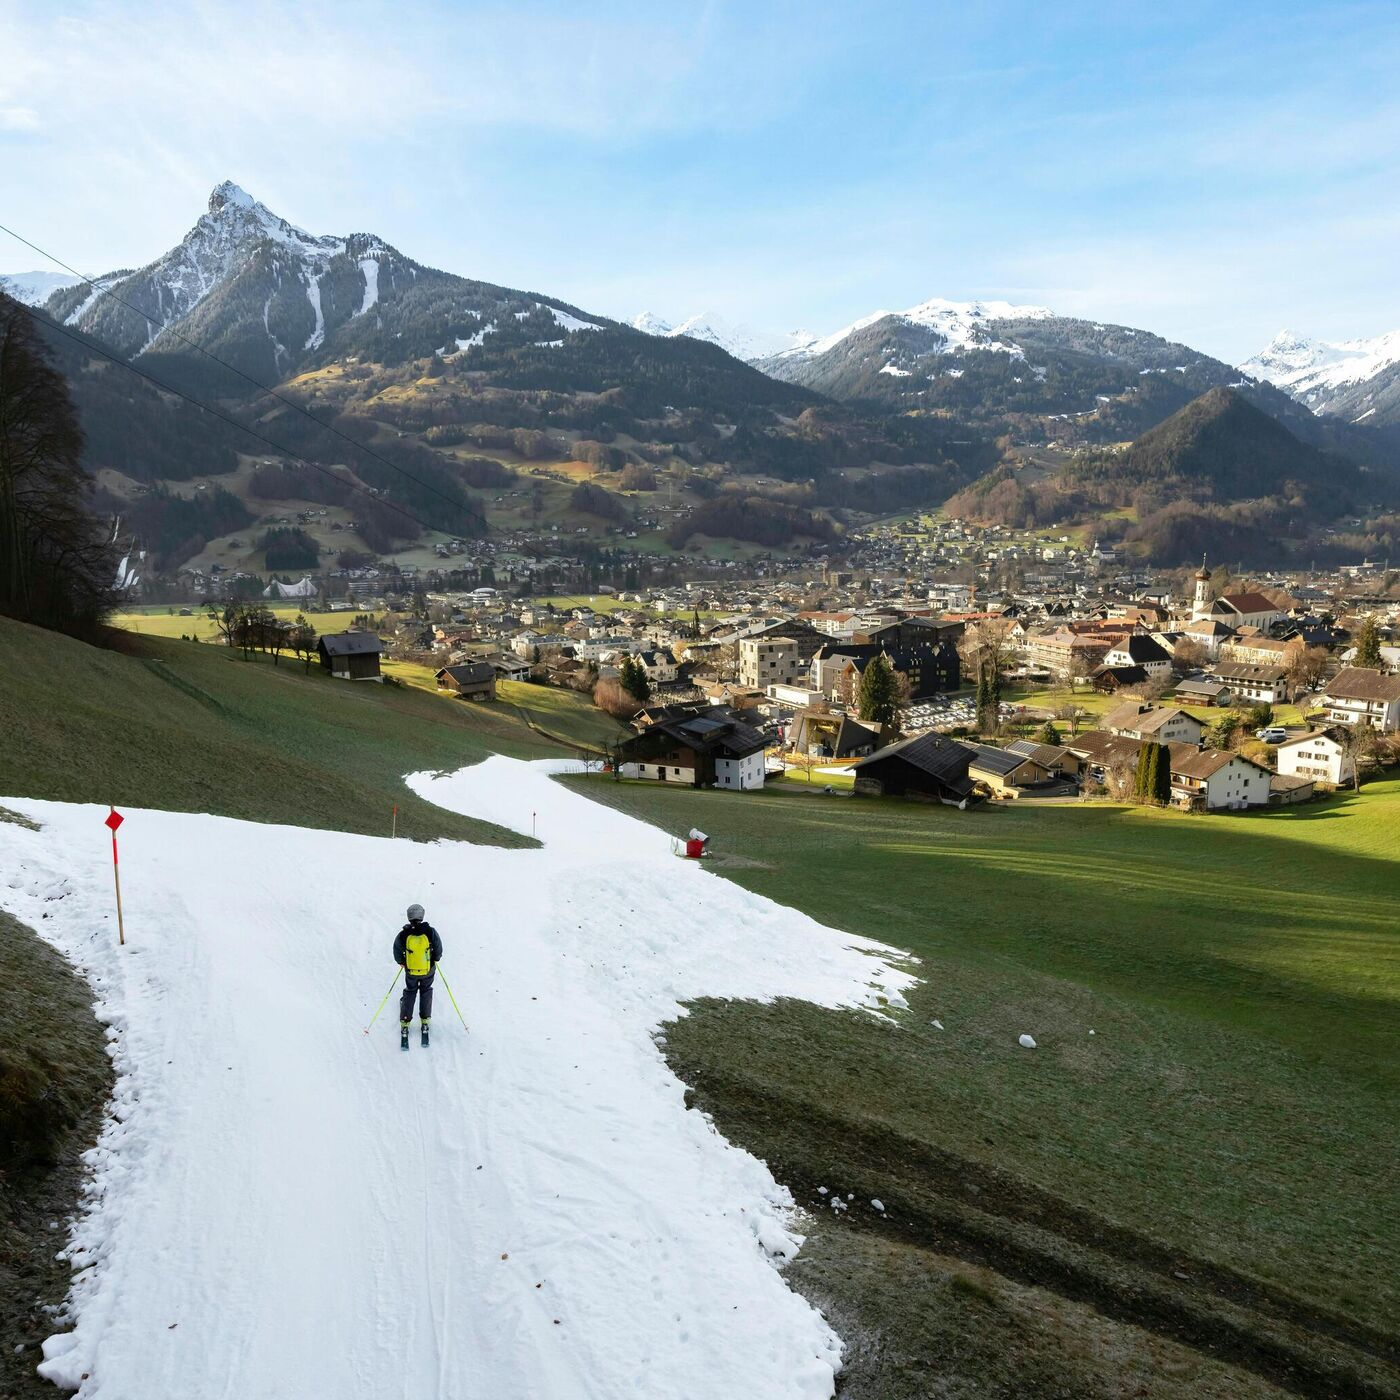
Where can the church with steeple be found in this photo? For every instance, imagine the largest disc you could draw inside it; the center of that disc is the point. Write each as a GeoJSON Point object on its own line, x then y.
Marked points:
{"type": "Point", "coordinates": [1205, 594]}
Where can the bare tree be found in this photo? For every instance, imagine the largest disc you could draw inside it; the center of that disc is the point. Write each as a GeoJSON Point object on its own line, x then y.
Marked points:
{"type": "Point", "coordinates": [1189, 655]}
{"type": "Point", "coordinates": [986, 646]}
{"type": "Point", "coordinates": [1359, 743]}
{"type": "Point", "coordinates": [1306, 668]}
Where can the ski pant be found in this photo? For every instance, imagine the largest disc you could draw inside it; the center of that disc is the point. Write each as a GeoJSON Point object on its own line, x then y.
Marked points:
{"type": "Point", "coordinates": [420, 987]}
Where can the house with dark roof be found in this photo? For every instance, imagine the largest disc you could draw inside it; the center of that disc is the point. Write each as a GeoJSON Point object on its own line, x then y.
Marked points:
{"type": "Point", "coordinates": [1211, 779]}
{"type": "Point", "coordinates": [509, 667]}
{"type": "Point", "coordinates": [825, 735]}
{"type": "Point", "coordinates": [471, 680]}
{"type": "Point", "coordinates": [696, 751]}
{"type": "Point", "coordinates": [1247, 681]}
{"type": "Point", "coordinates": [1138, 649]}
{"type": "Point", "coordinates": [1110, 679]}
{"type": "Point", "coordinates": [1056, 759]}
{"type": "Point", "coordinates": [350, 656]}
{"type": "Point", "coordinates": [1008, 773]}
{"type": "Point", "coordinates": [929, 767]}
{"type": "Point", "coordinates": [1202, 779]}
{"type": "Point", "coordinates": [1357, 693]}
{"type": "Point", "coordinates": [1200, 692]}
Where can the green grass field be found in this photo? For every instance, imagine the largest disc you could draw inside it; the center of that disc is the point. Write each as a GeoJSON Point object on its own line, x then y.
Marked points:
{"type": "Point", "coordinates": [1229, 1121]}
{"type": "Point", "coordinates": [1095, 705]}
{"type": "Point", "coordinates": [565, 716]}
{"type": "Point", "coordinates": [188, 727]}
{"type": "Point", "coordinates": [158, 622]}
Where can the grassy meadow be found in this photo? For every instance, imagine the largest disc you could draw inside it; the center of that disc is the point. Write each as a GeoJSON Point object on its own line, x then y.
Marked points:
{"type": "Point", "coordinates": [185, 727]}
{"type": "Point", "coordinates": [158, 621]}
{"type": "Point", "coordinates": [1200, 1149]}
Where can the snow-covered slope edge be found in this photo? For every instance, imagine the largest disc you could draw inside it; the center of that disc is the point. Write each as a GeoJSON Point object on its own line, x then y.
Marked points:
{"type": "Point", "coordinates": [526, 1210]}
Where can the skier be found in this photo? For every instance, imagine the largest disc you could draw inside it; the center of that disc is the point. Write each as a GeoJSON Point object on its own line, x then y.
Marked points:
{"type": "Point", "coordinates": [417, 950]}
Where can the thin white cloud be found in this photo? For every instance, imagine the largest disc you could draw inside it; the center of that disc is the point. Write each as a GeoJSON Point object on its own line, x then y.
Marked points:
{"type": "Point", "coordinates": [18, 119]}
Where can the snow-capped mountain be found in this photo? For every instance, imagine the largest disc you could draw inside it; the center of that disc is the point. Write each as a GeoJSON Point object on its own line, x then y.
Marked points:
{"type": "Point", "coordinates": [741, 341]}
{"type": "Point", "coordinates": [35, 288]}
{"type": "Point", "coordinates": [957, 325]}
{"type": "Point", "coordinates": [273, 299]}
{"type": "Point", "coordinates": [1358, 380]}
{"type": "Point", "coordinates": [991, 362]}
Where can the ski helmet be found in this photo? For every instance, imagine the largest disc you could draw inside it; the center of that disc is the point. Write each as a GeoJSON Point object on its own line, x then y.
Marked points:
{"type": "Point", "coordinates": [415, 913]}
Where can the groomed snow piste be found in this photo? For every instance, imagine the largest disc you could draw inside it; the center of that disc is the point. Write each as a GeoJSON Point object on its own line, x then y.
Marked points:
{"type": "Point", "coordinates": [284, 1208]}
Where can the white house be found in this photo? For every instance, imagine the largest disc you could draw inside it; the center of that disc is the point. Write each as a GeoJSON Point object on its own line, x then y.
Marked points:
{"type": "Point", "coordinates": [1139, 649]}
{"type": "Point", "coordinates": [660, 666]}
{"type": "Point", "coordinates": [1319, 755]}
{"type": "Point", "coordinates": [1357, 693]}
{"type": "Point", "coordinates": [1263, 684]}
{"type": "Point", "coordinates": [745, 772]}
{"type": "Point", "coordinates": [1215, 779]}
{"type": "Point", "coordinates": [1208, 632]}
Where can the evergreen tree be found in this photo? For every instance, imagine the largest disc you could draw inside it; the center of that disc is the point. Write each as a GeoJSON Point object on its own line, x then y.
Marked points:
{"type": "Point", "coordinates": [1368, 644]}
{"type": "Point", "coordinates": [988, 692]}
{"type": "Point", "coordinates": [1049, 734]}
{"type": "Point", "coordinates": [1162, 778]}
{"type": "Point", "coordinates": [633, 678]}
{"type": "Point", "coordinates": [56, 567]}
{"type": "Point", "coordinates": [879, 691]}
{"type": "Point", "coordinates": [1141, 777]}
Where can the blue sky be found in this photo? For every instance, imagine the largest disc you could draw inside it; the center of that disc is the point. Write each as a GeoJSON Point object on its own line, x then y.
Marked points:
{"type": "Point", "coordinates": [1212, 172]}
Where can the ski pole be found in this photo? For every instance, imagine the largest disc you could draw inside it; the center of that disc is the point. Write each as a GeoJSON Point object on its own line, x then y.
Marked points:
{"type": "Point", "coordinates": [385, 1002]}
{"type": "Point", "coordinates": [455, 1007]}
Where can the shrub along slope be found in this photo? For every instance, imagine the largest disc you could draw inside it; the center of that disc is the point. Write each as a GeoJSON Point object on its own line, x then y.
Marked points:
{"type": "Point", "coordinates": [54, 1077]}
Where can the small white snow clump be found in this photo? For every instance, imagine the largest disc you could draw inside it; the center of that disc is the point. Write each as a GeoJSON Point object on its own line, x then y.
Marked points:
{"type": "Point", "coordinates": [1027, 1042]}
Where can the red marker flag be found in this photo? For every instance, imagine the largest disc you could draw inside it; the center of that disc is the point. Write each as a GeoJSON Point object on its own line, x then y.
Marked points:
{"type": "Point", "coordinates": [113, 821]}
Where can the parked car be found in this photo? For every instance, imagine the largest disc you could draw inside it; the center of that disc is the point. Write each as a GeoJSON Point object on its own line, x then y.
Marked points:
{"type": "Point", "coordinates": [1273, 734]}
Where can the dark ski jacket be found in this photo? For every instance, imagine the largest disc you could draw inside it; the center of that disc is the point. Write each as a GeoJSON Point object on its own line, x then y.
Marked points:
{"type": "Point", "coordinates": [434, 942]}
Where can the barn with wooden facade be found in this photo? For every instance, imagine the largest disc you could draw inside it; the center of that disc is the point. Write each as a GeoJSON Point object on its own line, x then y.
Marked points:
{"type": "Point", "coordinates": [351, 656]}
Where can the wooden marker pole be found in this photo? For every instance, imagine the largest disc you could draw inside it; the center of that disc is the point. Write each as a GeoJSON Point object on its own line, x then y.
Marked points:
{"type": "Point", "coordinates": [394, 830]}
{"type": "Point", "coordinates": [114, 820]}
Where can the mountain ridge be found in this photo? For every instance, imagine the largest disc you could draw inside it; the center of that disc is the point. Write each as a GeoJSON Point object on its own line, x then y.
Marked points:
{"type": "Point", "coordinates": [1356, 380]}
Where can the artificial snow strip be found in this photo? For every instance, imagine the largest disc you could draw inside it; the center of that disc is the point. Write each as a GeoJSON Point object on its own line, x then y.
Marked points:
{"type": "Point", "coordinates": [280, 1206]}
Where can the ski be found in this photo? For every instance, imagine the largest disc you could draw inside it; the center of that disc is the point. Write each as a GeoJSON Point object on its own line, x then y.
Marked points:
{"type": "Point", "coordinates": [424, 1039]}
{"type": "Point", "coordinates": [403, 1036]}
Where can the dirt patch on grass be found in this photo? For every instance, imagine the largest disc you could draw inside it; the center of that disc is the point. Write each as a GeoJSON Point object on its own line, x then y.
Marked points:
{"type": "Point", "coordinates": [1015, 1239]}
{"type": "Point", "coordinates": [726, 860]}
{"type": "Point", "coordinates": [55, 1078]}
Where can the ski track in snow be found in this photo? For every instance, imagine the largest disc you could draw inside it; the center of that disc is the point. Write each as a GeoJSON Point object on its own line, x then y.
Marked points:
{"type": "Point", "coordinates": [281, 1207]}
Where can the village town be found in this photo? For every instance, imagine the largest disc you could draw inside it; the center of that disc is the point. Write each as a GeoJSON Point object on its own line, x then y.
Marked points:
{"type": "Point", "coordinates": [935, 660]}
